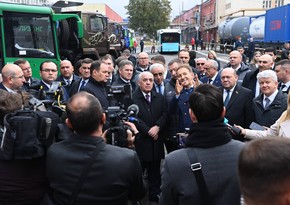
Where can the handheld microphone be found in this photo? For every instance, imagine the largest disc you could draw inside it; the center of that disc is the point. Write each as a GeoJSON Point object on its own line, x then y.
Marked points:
{"type": "Point", "coordinates": [234, 129]}
{"type": "Point", "coordinates": [133, 110]}
{"type": "Point", "coordinates": [133, 119]}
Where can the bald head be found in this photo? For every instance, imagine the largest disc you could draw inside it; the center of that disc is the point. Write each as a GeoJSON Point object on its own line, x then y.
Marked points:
{"type": "Point", "coordinates": [66, 69]}
{"type": "Point", "coordinates": [84, 113]}
{"type": "Point", "coordinates": [235, 59]}
{"type": "Point", "coordinates": [265, 62]}
{"type": "Point", "coordinates": [13, 77]}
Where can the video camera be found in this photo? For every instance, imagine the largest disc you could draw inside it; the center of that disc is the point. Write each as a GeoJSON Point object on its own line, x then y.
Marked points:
{"type": "Point", "coordinates": [52, 100]}
{"type": "Point", "coordinates": [117, 133]}
{"type": "Point", "coordinates": [119, 95]}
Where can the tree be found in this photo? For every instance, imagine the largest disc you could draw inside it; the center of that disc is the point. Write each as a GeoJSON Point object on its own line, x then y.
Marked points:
{"type": "Point", "coordinates": [148, 16]}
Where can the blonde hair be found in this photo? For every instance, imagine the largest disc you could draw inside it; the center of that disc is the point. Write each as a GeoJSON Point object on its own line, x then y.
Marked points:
{"type": "Point", "coordinates": [253, 59]}
{"type": "Point", "coordinates": [213, 53]}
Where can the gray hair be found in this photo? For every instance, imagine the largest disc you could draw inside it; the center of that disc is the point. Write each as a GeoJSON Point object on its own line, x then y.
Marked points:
{"type": "Point", "coordinates": [141, 75]}
{"type": "Point", "coordinates": [122, 63]}
{"type": "Point", "coordinates": [267, 74]}
{"type": "Point", "coordinates": [213, 63]}
{"type": "Point", "coordinates": [156, 65]}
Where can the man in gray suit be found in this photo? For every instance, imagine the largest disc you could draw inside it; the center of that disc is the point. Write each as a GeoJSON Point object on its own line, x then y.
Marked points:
{"type": "Point", "coordinates": [210, 141]}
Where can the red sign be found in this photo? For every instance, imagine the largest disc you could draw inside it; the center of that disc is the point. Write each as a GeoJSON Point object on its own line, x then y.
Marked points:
{"type": "Point", "coordinates": [275, 25]}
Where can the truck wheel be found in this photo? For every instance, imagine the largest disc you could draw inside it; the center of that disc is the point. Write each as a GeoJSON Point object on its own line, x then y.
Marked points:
{"type": "Point", "coordinates": [63, 33]}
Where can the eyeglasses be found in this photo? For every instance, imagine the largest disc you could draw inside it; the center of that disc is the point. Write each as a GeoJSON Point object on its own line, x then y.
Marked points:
{"type": "Point", "coordinates": [22, 76]}
{"type": "Point", "coordinates": [200, 64]}
{"type": "Point", "coordinates": [263, 62]}
{"type": "Point", "coordinates": [49, 70]}
{"type": "Point", "coordinates": [183, 57]}
{"type": "Point", "coordinates": [157, 74]}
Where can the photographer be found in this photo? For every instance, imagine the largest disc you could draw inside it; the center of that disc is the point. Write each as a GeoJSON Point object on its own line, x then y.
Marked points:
{"type": "Point", "coordinates": [22, 181]}
{"type": "Point", "coordinates": [111, 175]}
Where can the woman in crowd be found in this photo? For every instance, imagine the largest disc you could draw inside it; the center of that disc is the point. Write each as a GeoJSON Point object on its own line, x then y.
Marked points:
{"type": "Point", "coordinates": [254, 63]}
{"type": "Point", "coordinates": [280, 128]}
{"type": "Point", "coordinates": [212, 55]}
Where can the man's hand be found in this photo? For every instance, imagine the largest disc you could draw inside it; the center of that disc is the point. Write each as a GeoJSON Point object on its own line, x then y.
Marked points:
{"type": "Point", "coordinates": [178, 87]}
{"type": "Point", "coordinates": [131, 133]}
{"type": "Point", "coordinates": [153, 132]}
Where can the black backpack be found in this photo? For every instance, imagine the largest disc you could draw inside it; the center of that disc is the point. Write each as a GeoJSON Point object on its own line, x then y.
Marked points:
{"type": "Point", "coordinates": [27, 134]}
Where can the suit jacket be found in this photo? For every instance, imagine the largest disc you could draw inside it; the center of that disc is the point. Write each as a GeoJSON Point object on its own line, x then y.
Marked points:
{"type": "Point", "coordinates": [114, 177]}
{"type": "Point", "coordinates": [150, 114]}
{"type": "Point", "coordinates": [239, 109]}
{"type": "Point", "coordinates": [217, 81]}
{"type": "Point", "coordinates": [2, 87]}
{"type": "Point", "coordinates": [67, 87]}
{"type": "Point", "coordinates": [98, 90]}
{"type": "Point", "coordinates": [267, 117]}
{"type": "Point", "coordinates": [74, 88]}
{"type": "Point", "coordinates": [250, 81]}
{"type": "Point", "coordinates": [119, 81]}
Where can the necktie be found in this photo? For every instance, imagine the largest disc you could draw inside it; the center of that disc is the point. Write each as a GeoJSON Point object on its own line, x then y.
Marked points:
{"type": "Point", "coordinates": [267, 102]}
{"type": "Point", "coordinates": [68, 82]}
{"type": "Point", "coordinates": [82, 84]}
{"type": "Point", "coordinates": [159, 89]}
{"type": "Point", "coordinates": [282, 87]}
{"type": "Point", "coordinates": [209, 81]}
{"type": "Point", "coordinates": [147, 97]}
{"type": "Point", "coordinates": [227, 98]}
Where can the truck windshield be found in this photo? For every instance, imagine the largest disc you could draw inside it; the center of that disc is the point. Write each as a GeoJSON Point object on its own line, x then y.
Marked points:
{"type": "Point", "coordinates": [28, 35]}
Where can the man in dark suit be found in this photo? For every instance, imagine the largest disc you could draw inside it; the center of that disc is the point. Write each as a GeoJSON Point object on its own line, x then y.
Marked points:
{"type": "Point", "coordinates": [152, 120]}
{"type": "Point", "coordinates": [98, 81]}
{"type": "Point", "coordinates": [125, 74]}
{"type": "Point", "coordinates": [250, 81]}
{"type": "Point", "coordinates": [12, 78]}
{"type": "Point", "coordinates": [84, 71]}
{"type": "Point", "coordinates": [48, 84]}
{"type": "Point", "coordinates": [115, 175]}
{"type": "Point", "coordinates": [67, 76]}
{"type": "Point", "coordinates": [212, 75]}
{"type": "Point", "coordinates": [157, 70]}
{"type": "Point", "coordinates": [239, 103]}
{"type": "Point", "coordinates": [27, 72]}
{"type": "Point", "coordinates": [282, 69]}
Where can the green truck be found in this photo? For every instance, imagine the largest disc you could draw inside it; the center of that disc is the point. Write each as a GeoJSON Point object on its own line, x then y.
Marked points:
{"type": "Point", "coordinates": [32, 32]}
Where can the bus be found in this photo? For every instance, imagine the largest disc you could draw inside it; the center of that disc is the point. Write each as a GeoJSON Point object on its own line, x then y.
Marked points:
{"type": "Point", "coordinates": [168, 40]}
{"type": "Point", "coordinates": [31, 32]}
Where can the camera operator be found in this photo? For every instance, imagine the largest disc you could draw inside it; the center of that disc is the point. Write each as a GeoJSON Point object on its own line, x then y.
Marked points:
{"type": "Point", "coordinates": [115, 173]}
{"type": "Point", "coordinates": [22, 181]}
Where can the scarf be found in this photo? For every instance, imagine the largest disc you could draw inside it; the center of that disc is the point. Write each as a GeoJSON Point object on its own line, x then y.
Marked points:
{"type": "Point", "coordinates": [208, 134]}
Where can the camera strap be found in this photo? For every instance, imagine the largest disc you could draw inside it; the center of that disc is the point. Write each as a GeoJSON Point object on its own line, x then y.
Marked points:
{"type": "Point", "coordinates": [84, 174]}
{"type": "Point", "coordinates": [195, 166]}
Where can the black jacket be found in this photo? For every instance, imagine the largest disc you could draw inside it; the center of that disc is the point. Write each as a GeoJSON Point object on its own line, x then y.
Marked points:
{"type": "Point", "coordinates": [97, 89]}
{"type": "Point", "coordinates": [150, 114]}
{"type": "Point", "coordinates": [114, 177]}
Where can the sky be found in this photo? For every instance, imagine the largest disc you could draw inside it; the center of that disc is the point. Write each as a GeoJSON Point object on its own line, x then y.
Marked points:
{"type": "Point", "coordinates": [118, 5]}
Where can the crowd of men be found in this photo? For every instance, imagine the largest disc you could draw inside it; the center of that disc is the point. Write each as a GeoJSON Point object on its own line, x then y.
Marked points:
{"type": "Point", "coordinates": [173, 97]}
